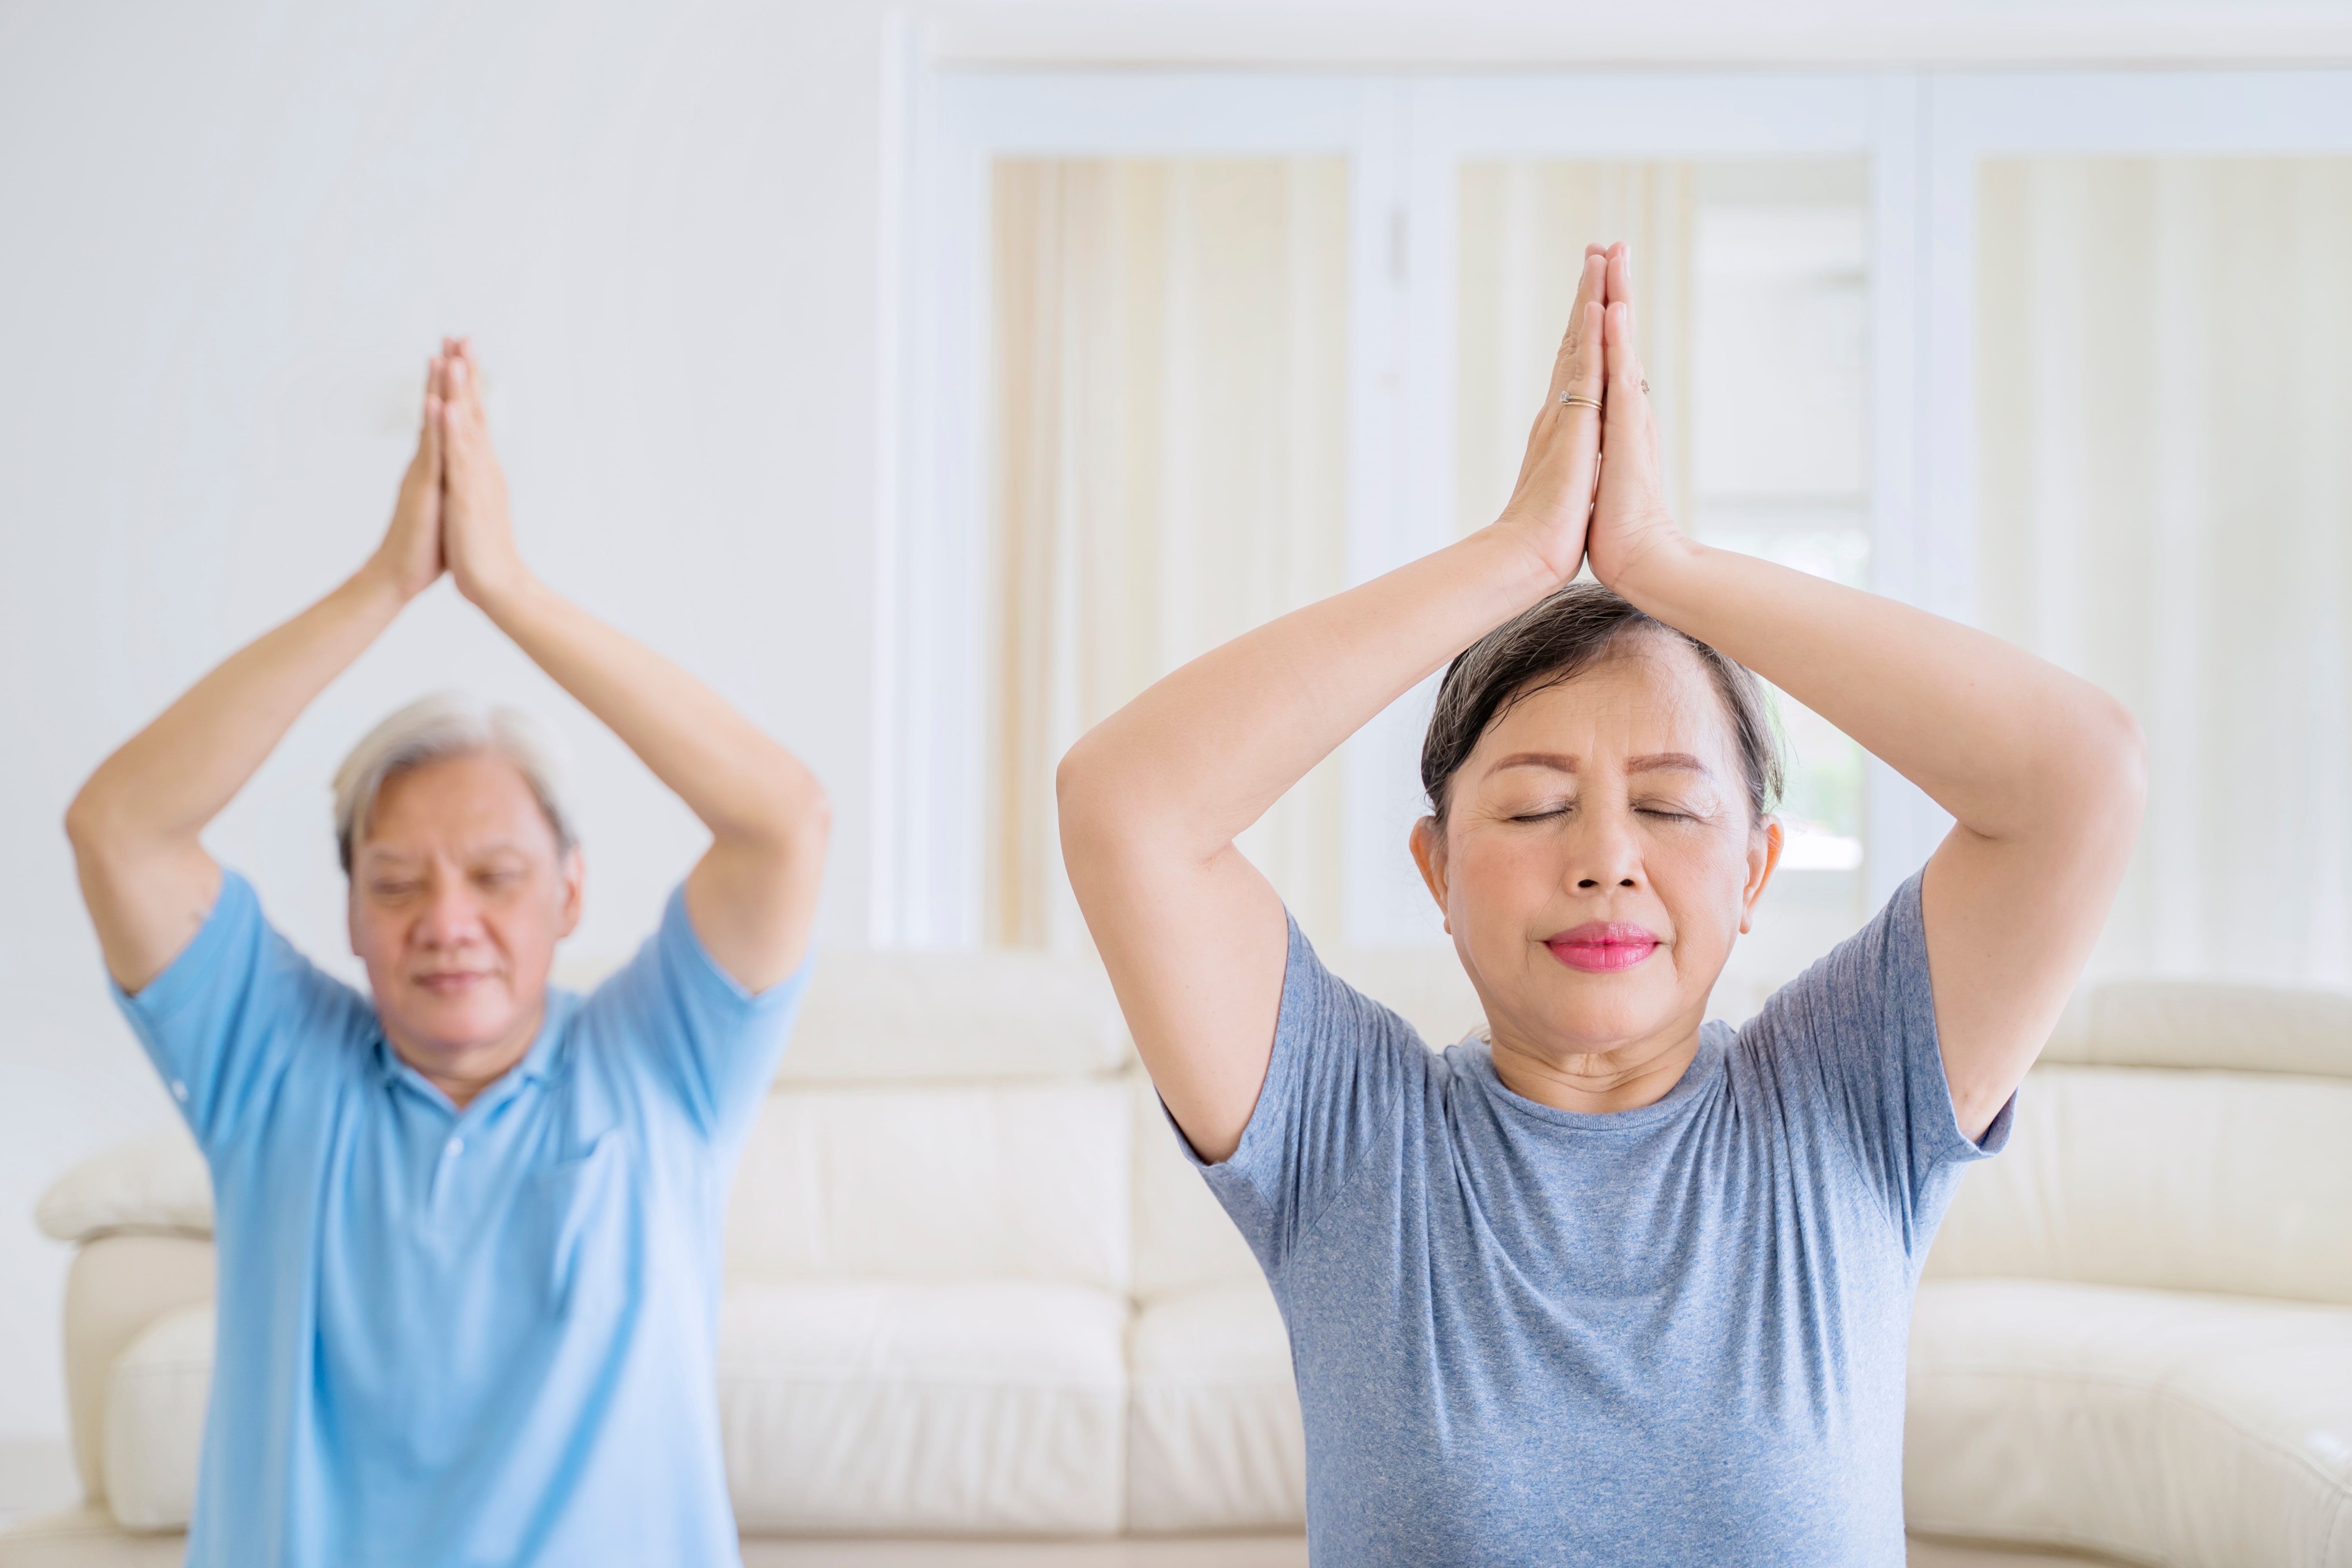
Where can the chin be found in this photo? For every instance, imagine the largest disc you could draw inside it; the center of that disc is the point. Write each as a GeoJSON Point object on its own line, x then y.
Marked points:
{"type": "Point", "coordinates": [1606, 1016]}
{"type": "Point", "coordinates": [461, 1025]}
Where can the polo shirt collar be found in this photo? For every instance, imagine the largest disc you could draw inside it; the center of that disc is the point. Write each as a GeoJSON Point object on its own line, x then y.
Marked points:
{"type": "Point", "coordinates": [537, 1064]}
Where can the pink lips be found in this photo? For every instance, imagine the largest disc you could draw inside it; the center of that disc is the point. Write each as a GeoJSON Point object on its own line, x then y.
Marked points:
{"type": "Point", "coordinates": [1602, 946]}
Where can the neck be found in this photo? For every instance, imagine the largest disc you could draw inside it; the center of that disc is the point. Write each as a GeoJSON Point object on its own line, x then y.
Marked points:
{"type": "Point", "coordinates": [461, 1072]}
{"type": "Point", "coordinates": [1625, 1077]}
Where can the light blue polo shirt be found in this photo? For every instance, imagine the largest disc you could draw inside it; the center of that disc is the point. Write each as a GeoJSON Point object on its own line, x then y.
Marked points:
{"type": "Point", "coordinates": [454, 1338]}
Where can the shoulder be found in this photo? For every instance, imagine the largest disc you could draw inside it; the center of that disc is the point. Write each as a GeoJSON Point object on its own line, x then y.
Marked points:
{"type": "Point", "coordinates": [1323, 1011]}
{"type": "Point", "coordinates": [1874, 980]}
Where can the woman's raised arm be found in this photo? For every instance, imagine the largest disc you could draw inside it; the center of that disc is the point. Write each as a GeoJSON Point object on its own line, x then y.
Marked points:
{"type": "Point", "coordinates": [1152, 798]}
{"type": "Point", "coordinates": [2045, 773]}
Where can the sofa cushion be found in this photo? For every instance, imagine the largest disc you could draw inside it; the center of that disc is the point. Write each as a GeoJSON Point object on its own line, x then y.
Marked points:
{"type": "Point", "coordinates": [155, 1420]}
{"type": "Point", "coordinates": [1214, 1437]}
{"type": "Point", "coordinates": [2229, 1182]}
{"type": "Point", "coordinates": [1003, 1181]}
{"type": "Point", "coordinates": [2199, 1431]}
{"type": "Point", "coordinates": [897, 1015]}
{"type": "Point", "coordinates": [885, 1406]}
{"type": "Point", "coordinates": [156, 1183]}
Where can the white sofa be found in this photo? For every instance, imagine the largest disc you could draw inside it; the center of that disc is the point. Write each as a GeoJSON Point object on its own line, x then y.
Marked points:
{"type": "Point", "coordinates": [974, 1290]}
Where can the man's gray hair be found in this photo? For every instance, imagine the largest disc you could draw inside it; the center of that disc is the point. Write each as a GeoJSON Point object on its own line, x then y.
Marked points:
{"type": "Point", "coordinates": [446, 724]}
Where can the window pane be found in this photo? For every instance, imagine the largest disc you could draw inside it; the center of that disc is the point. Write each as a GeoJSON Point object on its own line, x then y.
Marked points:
{"type": "Point", "coordinates": [1170, 357]}
{"type": "Point", "coordinates": [2165, 506]}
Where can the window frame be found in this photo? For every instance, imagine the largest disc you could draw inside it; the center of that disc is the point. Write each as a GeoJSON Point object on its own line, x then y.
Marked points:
{"type": "Point", "coordinates": [1921, 133]}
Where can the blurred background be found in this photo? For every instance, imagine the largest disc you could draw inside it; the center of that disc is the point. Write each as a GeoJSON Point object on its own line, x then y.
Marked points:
{"type": "Point", "coordinates": [930, 380]}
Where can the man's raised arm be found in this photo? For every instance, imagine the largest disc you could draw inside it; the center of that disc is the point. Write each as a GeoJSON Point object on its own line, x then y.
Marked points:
{"type": "Point", "coordinates": [752, 897]}
{"type": "Point", "coordinates": [134, 825]}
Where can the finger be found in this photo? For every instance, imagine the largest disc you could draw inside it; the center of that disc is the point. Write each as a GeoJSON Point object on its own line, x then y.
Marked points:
{"type": "Point", "coordinates": [1579, 345]}
{"type": "Point", "coordinates": [1621, 274]}
{"type": "Point", "coordinates": [476, 408]}
{"type": "Point", "coordinates": [457, 449]}
{"type": "Point", "coordinates": [1587, 382]}
{"type": "Point", "coordinates": [1628, 403]}
{"type": "Point", "coordinates": [426, 437]}
{"type": "Point", "coordinates": [463, 387]}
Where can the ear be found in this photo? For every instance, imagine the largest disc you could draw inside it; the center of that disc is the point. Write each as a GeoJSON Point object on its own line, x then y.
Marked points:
{"type": "Point", "coordinates": [1763, 860]}
{"type": "Point", "coordinates": [351, 910]}
{"type": "Point", "coordinates": [1429, 854]}
{"type": "Point", "coordinates": [575, 881]}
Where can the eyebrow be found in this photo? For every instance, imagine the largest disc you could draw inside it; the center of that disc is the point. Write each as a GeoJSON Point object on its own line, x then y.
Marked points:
{"type": "Point", "coordinates": [480, 852]}
{"type": "Point", "coordinates": [1560, 763]}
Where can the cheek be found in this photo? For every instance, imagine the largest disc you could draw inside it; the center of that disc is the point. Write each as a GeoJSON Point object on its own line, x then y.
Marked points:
{"type": "Point", "coordinates": [526, 935]}
{"type": "Point", "coordinates": [1499, 875]}
{"type": "Point", "coordinates": [377, 935]}
{"type": "Point", "coordinates": [1703, 882]}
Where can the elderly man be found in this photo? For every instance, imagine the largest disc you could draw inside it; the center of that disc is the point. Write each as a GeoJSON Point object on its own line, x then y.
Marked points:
{"type": "Point", "coordinates": [469, 1228]}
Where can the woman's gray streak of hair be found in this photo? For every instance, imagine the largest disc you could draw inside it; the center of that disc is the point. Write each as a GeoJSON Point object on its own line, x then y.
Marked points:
{"type": "Point", "coordinates": [1556, 641]}
{"type": "Point", "coordinates": [433, 730]}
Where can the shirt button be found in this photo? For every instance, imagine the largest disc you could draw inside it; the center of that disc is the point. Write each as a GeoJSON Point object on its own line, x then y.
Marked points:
{"type": "Point", "coordinates": [457, 1146]}
{"type": "Point", "coordinates": [179, 1092]}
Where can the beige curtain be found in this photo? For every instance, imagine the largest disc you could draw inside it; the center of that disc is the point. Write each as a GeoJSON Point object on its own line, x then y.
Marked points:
{"type": "Point", "coordinates": [1170, 363]}
{"type": "Point", "coordinates": [1523, 226]}
{"type": "Point", "coordinates": [2166, 507]}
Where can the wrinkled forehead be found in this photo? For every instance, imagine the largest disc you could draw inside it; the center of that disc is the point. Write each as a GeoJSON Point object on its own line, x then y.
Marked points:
{"type": "Point", "coordinates": [1649, 697]}
{"type": "Point", "coordinates": [468, 805]}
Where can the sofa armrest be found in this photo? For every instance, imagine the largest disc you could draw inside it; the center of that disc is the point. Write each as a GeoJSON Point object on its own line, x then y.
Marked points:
{"type": "Point", "coordinates": [119, 1285]}
{"type": "Point", "coordinates": [155, 1183]}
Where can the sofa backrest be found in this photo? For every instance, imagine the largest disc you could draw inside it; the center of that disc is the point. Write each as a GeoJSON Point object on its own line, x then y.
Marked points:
{"type": "Point", "coordinates": [2176, 1135]}
{"type": "Point", "coordinates": [944, 1115]}
{"type": "Point", "coordinates": [1020, 1179]}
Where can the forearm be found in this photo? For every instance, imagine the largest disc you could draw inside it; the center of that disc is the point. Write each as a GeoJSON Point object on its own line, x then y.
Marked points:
{"type": "Point", "coordinates": [741, 784]}
{"type": "Point", "coordinates": [1205, 751]}
{"type": "Point", "coordinates": [172, 778]}
{"type": "Point", "coordinates": [2008, 743]}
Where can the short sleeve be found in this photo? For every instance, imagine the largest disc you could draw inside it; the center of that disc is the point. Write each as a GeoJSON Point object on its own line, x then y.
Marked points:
{"type": "Point", "coordinates": [711, 1043]}
{"type": "Point", "coordinates": [1342, 1066]}
{"type": "Point", "coordinates": [1853, 1041]}
{"type": "Point", "coordinates": [224, 1020]}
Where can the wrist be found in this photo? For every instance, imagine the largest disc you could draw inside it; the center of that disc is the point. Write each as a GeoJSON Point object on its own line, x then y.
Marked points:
{"type": "Point", "coordinates": [381, 581]}
{"type": "Point", "coordinates": [1534, 555]}
{"type": "Point", "coordinates": [1645, 567]}
{"type": "Point", "coordinates": [504, 594]}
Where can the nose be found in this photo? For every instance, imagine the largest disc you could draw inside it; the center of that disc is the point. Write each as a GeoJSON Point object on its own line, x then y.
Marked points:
{"type": "Point", "coordinates": [1605, 853]}
{"type": "Point", "coordinates": [454, 916]}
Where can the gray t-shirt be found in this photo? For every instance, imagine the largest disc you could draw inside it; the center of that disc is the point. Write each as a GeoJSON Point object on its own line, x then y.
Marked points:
{"type": "Point", "coordinates": [1670, 1335]}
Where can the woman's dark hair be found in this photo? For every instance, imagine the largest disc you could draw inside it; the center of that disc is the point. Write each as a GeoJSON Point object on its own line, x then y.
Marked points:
{"type": "Point", "coordinates": [1558, 640]}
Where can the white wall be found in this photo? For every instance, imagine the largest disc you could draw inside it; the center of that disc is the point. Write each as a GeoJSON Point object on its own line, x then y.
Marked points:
{"type": "Point", "coordinates": [228, 237]}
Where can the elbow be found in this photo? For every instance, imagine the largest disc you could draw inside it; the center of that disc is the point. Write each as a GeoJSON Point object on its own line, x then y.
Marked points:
{"type": "Point", "coordinates": [2108, 753]}
{"type": "Point", "coordinates": [803, 817]}
{"type": "Point", "coordinates": [1079, 794]}
{"type": "Point", "coordinates": [2123, 750]}
{"type": "Point", "coordinates": [90, 820]}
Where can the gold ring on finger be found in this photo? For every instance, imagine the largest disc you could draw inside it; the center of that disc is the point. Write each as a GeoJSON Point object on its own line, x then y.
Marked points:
{"type": "Point", "coordinates": [1570, 400]}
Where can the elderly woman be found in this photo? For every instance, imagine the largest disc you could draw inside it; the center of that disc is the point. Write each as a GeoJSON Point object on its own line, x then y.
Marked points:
{"type": "Point", "coordinates": [1617, 1285]}
{"type": "Point", "coordinates": [468, 1226]}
